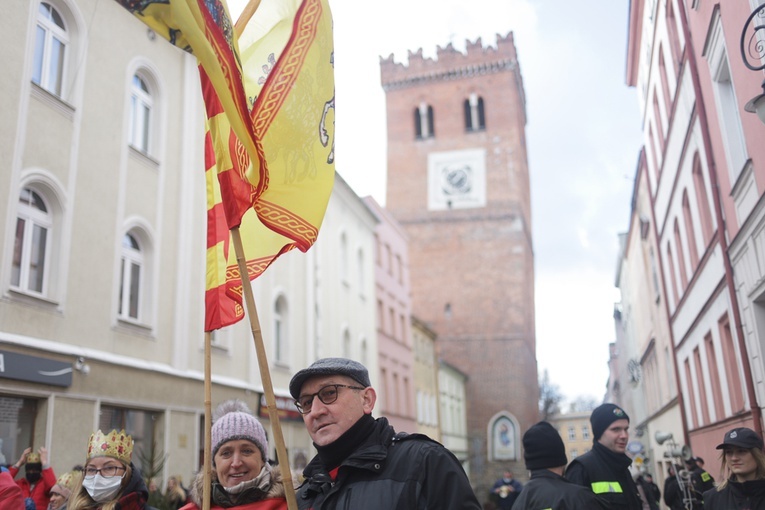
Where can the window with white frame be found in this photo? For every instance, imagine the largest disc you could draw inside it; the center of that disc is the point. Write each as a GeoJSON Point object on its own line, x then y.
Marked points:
{"type": "Point", "coordinates": [475, 120]}
{"type": "Point", "coordinates": [131, 274]}
{"type": "Point", "coordinates": [141, 104]}
{"type": "Point", "coordinates": [571, 432]}
{"type": "Point", "coordinates": [31, 250]}
{"type": "Point", "coordinates": [51, 42]}
{"type": "Point", "coordinates": [223, 338]}
{"type": "Point", "coordinates": [423, 121]}
{"type": "Point", "coordinates": [725, 99]}
{"type": "Point", "coordinates": [281, 330]}
{"type": "Point", "coordinates": [585, 432]}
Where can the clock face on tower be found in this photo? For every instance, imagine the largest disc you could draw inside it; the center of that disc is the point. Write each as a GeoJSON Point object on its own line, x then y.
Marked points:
{"type": "Point", "coordinates": [457, 179]}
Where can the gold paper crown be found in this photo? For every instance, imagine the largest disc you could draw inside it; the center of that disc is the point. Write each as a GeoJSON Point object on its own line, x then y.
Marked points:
{"type": "Point", "coordinates": [115, 444]}
{"type": "Point", "coordinates": [68, 480]}
{"type": "Point", "coordinates": [33, 458]}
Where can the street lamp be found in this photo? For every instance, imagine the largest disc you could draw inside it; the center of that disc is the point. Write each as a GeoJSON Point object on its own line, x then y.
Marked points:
{"type": "Point", "coordinates": [754, 47]}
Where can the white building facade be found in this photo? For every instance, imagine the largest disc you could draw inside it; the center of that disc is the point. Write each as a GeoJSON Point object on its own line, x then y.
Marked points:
{"type": "Point", "coordinates": [103, 254]}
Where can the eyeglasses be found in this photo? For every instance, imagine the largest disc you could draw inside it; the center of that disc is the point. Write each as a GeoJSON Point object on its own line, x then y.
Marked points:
{"type": "Point", "coordinates": [327, 395]}
{"type": "Point", "coordinates": [106, 472]}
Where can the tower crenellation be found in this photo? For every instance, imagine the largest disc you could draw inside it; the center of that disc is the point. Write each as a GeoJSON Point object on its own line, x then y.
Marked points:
{"type": "Point", "coordinates": [449, 63]}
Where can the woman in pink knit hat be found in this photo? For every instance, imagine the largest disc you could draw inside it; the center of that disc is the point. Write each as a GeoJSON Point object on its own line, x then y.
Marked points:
{"type": "Point", "coordinates": [242, 478]}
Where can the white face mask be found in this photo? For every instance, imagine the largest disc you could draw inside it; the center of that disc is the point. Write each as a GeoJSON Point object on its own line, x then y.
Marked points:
{"type": "Point", "coordinates": [100, 488]}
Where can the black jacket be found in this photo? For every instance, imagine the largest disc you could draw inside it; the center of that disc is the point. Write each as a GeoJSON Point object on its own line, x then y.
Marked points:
{"type": "Point", "coordinates": [607, 474]}
{"type": "Point", "coordinates": [391, 472]}
{"type": "Point", "coordinates": [737, 496]}
{"type": "Point", "coordinates": [651, 495]}
{"type": "Point", "coordinates": [673, 494]}
{"type": "Point", "coordinates": [703, 481]}
{"type": "Point", "coordinates": [547, 490]}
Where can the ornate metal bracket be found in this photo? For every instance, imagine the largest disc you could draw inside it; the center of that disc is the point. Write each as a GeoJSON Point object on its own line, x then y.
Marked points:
{"type": "Point", "coordinates": [753, 46]}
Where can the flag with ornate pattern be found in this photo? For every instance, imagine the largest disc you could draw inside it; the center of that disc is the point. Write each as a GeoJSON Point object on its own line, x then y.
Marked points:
{"type": "Point", "coordinates": [269, 170]}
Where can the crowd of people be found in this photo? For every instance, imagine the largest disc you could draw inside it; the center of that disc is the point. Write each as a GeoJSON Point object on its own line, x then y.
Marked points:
{"type": "Point", "coordinates": [362, 462]}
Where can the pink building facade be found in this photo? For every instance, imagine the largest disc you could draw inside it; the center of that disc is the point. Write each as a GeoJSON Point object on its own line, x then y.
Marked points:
{"type": "Point", "coordinates": [705, 170]}
{"type": "Point", "coordinates": [394, 329]}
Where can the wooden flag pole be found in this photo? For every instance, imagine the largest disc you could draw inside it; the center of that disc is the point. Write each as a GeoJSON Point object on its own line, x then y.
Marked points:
{"type": "Point", "coordinates": [265, 374]}
{"type": "Point", "coordinates": [247, 13]}
{"type": "Point", "coordinates": [207, 467]}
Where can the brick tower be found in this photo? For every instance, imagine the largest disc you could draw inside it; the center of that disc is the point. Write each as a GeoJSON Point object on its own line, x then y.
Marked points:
{"type": "Point", "coordinates": [458, 181]}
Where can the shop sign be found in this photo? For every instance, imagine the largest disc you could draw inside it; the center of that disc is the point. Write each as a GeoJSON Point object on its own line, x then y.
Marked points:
{"type": "Point", "coordinates": [285, 407]}
{"type": "Point", "coordinates": [35, 369]}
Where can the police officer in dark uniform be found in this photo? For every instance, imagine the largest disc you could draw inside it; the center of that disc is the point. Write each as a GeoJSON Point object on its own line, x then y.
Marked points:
{"type": "Point", "coordinates": [545, 457]}
{"type": "Point", "coordinates": [703, 480]}
{"type": "Point", "coordinates": [605, 468]}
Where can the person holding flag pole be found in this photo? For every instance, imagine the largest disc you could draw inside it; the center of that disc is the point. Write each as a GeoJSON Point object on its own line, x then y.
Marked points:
{"type": "Point", "coordinates": [269, 164]}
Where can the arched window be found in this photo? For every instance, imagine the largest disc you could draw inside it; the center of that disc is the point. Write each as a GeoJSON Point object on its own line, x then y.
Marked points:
{"type": "Point", "coordinates": [51, 42]}
{"type": "Point", "coordinates": [654, 153]}
{"type": "Point", "coordinates": [141, 104]}
{"type": "Point", "coordinates": [689, 232]}
{"type": "Point", "coordinates": [702, 201]}
{"type": "Point", "coordinates": [417, 123]}
{"type": "Point", "coordinates": [503, 437]}
{"type": "Point", "coordinates": [672, 274]}
{"type": "Point", "coordinates": [360, 270]}
{"type": "Point", "coordinates": [344, 257]}
{"type": "Point", "coordinates": [664, 81]}
{"type": "Point", "coordinates": [31, 250]}
{"type": "Point", "coordinates": [658, 120]}
{"type": "Point", "coordinates": [346, 344]}
{"type": "Point", "coordinates": [281, 330]}
{"type": "Point", "coordinates": [131, 275]}
{"type": "Point", "coordinates": [474, 114]}
{"type": "Point", "coordinates": [423, 121]}
{"type": "Point", "coordinates": [674, 41]}
{"type": "Point", "coordinates": [680, 256]}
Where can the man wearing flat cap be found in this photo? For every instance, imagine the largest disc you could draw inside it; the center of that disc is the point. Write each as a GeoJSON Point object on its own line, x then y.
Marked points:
{"type": "Point", "coordinates": [362, 462]}
{"type": "Point", "coordinates": [605, 468]}
{"type": "Point", "coordinates": [545, 458]}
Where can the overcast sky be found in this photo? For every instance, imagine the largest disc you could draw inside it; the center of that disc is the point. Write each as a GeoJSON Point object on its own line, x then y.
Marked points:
{"type": "Point", "coordinates": [583, 135]}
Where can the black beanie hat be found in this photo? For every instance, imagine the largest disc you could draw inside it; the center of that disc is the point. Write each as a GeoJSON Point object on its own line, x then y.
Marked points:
{"type": "Point", "coordinates": [603, 416]}
{"type": "Point", "coordinates": [543, 448]}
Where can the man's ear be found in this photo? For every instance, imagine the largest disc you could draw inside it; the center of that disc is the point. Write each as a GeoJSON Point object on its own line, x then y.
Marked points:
{"type": "Point", "coordinates": [369, 397]}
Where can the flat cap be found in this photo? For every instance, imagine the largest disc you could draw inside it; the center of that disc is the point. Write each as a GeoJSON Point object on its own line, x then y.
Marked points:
{"type": "Point", "coordinates": [330, 366]}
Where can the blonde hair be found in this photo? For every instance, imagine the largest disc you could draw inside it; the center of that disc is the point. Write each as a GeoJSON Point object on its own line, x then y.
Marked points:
{"type": "Point", "coordinates": [81, 500]}
{"type": "Point", "coordinates": [725, 472]}
{"type": "Point", "coordinates": [177, 491]}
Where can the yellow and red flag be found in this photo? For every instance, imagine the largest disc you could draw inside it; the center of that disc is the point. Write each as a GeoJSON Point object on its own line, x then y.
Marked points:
{"type": "Point", "coordinates": [273, 165]}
